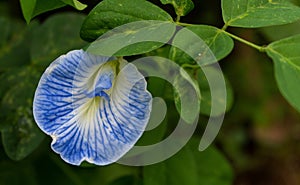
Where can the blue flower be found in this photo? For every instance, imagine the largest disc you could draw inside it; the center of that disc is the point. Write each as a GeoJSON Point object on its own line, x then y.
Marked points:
{"type": "Point", "coordinates": [95, 108]}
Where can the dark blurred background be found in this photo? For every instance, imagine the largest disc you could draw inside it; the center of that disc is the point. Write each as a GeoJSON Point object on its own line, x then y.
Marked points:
{"type": "Point", "coordinates": [259, 137]}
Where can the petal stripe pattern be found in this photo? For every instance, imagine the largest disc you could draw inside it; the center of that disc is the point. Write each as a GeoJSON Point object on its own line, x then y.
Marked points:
{"type": "Point", "coordinates": [95, 108]}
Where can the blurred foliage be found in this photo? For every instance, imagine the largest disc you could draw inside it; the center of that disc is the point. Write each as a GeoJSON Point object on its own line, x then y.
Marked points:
{"type": "Point", "coordinates": [259, 140]}
{"type": "Point", "coordinates": [25, 52]}
{"type": "Point", "coordinates": [190, 166]}
{"type": "Point", "coordinates": [219, 44]}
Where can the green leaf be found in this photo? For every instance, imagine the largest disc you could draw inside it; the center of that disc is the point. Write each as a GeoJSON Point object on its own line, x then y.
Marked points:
{"type": "Point", "coordinates": [32, 8]}
{"type": "Point", "coordinates": [28, 9]}
{"type": "Point", "coordinates": [186, 97]}
{"type": "Point", "coordinates": [109, 14]}
{"type": "Point", "coordinates": [55, 37]}
{"type": "Point", "coordinates": [189, 166]}
{"type": "Point", "coordinates": [219, 43]}
{"type": "Point", "coordinates": [15, 38]}
{"type": "Point", "coordinates": [286, 57]}
{"type": "Point", "coordinates": [76, 4]}
{"type": "Point", "coordinates": [259, 13]}
{"type": "Point", "coordinates": [133, 38]}
{"type": "Point", "coordinates": [8, 79]}
{"type": "Point", "coordinates": [199, 82]}
{"type": "Point", "coordinates": [22, 135]}
{"type": "Point", "coordinates": [182, 7]}
{"type": "Point", "coordinates": [205, 91]}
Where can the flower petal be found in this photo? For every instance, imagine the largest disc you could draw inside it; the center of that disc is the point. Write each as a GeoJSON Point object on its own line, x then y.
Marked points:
{"type": "Point", "coordinates": [90, 112]}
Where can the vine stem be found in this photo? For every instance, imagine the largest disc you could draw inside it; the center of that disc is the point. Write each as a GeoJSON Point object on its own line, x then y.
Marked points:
{"type": "Point", "coordinates": [184, 24]}
{"type": "Point", "coordinates": [178, 18]}
{"type": "Point", "coordinates": [259, 48]}
{"type": "Point", "coordinates": [190, 66]}
{"type": "Point", "coordinates": [224, 27]}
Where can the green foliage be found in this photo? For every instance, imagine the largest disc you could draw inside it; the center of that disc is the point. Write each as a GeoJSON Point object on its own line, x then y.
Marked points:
{"type": "Point", "coordinates": [186, 97]}
{"type": "Point", "coordinates": [259, 13]}
{"type": "Point", "coordinates": [76, 4]}
{"type": "Point", "coordinates": [157, 88]}
{"type": "Point", "coordinates": [13, 43]}
{"type": "Point", "coordinates": [58, 36]}
{"type": "Point", "coordinates": [32, 8]}
{"type": "Point", "coordinates": [285, 54]}
{"type": "Point", "coordinates": [109, 14]}
{"type": "Point", "coordinates": [203, 88]}
{"type": "Point", "coordinates": [189, 166]}
{"type": "Point", "coordinates": [125, 41]}
{"type": "Point", "coordinates": [25, 52]}
{"type": "Point", "coordinates": [22, 135]}
{"type": "Point", "coordinates": [8, 80]}
{"type": "Point", "coordinates": [182, 7]}
{"type": "Point", "coordinates": [218, 43]}
{"type": "Point", "coordinates": [8, 31]}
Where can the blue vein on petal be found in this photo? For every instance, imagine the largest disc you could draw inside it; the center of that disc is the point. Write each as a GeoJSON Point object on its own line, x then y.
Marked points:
{"type": "Point", "coordinates": [90, 113]}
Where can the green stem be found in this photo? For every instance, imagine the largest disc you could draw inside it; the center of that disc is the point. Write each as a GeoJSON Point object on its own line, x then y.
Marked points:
{"type": "Point", "coordinates": [190, 66]}
{"type": "Point", "coordinates": [184, 24]}
{"type": "Point", "coordinates": [178, 18]}
{"type": "Point", "coordinates": [259, 48]}
{"type": "Point", "coordinates": [224, 27]}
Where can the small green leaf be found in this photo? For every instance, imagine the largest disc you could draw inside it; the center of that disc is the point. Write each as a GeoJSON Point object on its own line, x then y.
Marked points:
{"type": "Point", "coordinates": [32, 8]}
{"type": "Point", "coordinates": [76, 4]}
{"type": "Point", "coordinates": [182, 7]}
{"type": "Point", "coordinates": [189, 166]}
{"type": "Point", "coordinates": [219, 43]}
{"type": "Point", "coordinates": [28, 9]}
{"type": "Point", "coordinates": [186, 97]}
{"type": "Point", "coordinates": [259, 13]}
{"type": "Point", "coordinates": [55, 37]}
{"type": "Point", "coordinates": [22, 135]}
{"type": "Point", "coordinates": [133, 38]}
{"type": "Point", "coordinates": [223, 98]}
{"type": "Point", "coordinates": [286, 57]}
{"type": "Point", "coordinates": [109, 14]}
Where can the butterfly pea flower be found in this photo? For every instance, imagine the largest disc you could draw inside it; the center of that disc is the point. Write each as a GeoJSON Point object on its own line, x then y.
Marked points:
{"type": "Point", "coordinates": [95, 108]}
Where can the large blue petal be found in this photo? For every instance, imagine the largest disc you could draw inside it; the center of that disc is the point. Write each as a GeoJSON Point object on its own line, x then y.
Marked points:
{"type": "Point", "coordinates": [91, 112]}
